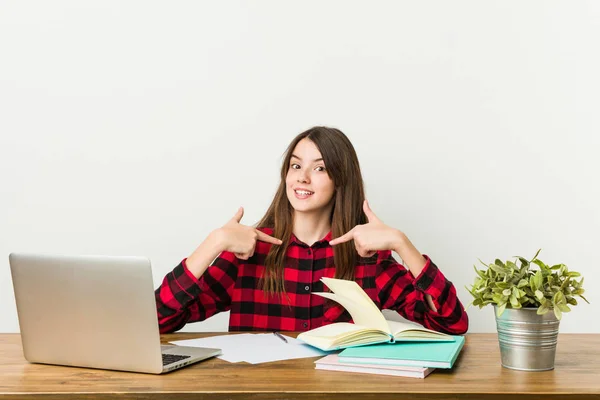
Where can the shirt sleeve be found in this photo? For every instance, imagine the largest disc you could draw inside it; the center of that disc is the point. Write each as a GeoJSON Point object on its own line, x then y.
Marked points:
{"type": "Point", "coordinates": [181, 298]}
{"type": "Point", "coordinates": [399, 290]}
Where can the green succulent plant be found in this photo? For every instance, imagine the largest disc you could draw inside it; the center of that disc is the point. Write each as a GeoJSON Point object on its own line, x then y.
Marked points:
{"type": "Point", "coordinates": [508, 285]}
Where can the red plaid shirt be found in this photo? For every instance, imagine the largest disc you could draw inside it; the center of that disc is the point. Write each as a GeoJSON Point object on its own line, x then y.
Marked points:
{"type": "Point", "coordinates": [232, 284]}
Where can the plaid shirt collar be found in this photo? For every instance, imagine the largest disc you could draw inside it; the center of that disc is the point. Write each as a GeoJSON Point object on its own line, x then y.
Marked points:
{"type": "Point", "coordinates": [320, 243]}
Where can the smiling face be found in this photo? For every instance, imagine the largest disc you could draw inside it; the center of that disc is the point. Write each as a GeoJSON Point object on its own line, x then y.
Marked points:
{"type": "Point", "coordinates": [308, 185]}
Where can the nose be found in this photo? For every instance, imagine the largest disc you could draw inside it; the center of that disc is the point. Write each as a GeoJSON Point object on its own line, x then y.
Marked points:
{"type": "Point", "coordinates": [302, 178]}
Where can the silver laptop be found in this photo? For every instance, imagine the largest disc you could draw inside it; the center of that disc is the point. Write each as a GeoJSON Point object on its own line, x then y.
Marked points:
{"type": "Point", "coordinates": [93, 311]}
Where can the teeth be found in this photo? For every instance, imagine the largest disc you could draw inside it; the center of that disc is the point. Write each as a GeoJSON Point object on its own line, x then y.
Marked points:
{"type": "Point", "coordinates": [303, 193]}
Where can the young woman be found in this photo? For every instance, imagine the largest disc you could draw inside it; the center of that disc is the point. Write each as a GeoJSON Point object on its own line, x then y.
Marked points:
{"type": "Point", "coordinates": [318, 225]}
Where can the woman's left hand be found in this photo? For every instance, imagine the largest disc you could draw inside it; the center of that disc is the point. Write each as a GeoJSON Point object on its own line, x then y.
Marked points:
{"type": "Point", "coordinates": [372, 236]}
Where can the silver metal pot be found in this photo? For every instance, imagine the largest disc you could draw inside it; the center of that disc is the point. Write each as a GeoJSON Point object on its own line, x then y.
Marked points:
{"type": "Point", "coordinates": [527, 340]}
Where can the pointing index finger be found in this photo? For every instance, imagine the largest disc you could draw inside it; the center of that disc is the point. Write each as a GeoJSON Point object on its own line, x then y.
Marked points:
{"type": "Point", "coordinates": [343, 239]}
{"type": "Point", "coordinates": [263, 237]}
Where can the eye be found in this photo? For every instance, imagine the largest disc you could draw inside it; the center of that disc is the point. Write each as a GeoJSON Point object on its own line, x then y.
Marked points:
{"type": "Point", "coordinates": [320, 168]}
{"type": "Point", "coordinates": [294, 166]}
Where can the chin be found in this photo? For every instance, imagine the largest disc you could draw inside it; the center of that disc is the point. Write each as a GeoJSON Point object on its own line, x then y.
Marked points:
{"type": "Point", "coordinates": [305, 208]}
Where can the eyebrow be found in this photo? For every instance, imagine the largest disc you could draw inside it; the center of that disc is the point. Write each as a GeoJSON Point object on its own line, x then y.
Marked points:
{"type": "Point", "coordinates": [315, 160]}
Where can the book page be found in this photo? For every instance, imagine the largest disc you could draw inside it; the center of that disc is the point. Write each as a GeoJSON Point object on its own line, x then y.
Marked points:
{"type": "Point", "coordinates": [416, 331]}
{"type": "Point", "coordinates": [341, 335]}
{"type": "Point", "coordinates": [354, 299]}
{"type": "Point", "coordinates": [333, 331]}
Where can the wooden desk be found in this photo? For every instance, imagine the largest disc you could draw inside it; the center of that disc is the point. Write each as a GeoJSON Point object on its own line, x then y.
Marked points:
{"type": "Point", "coordinates": [477, 375]}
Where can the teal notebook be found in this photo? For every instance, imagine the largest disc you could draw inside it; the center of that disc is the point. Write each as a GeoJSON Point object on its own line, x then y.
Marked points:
{"type": "Point", "coordinates": [414, 354]}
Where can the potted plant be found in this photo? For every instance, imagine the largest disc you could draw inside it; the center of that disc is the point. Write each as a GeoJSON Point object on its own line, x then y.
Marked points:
{"type": "Point", "coordinates": [529, 303]}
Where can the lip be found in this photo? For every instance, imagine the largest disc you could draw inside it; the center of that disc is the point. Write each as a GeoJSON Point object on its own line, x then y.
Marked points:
{"type": "Point", "coordinates": [305, 189]}
{"type": "Point", "coordinates": [300, 197]}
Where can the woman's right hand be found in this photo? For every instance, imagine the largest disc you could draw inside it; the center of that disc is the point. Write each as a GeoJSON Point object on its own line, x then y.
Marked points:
{"type": "Point", "coordinates": [233, 237]}
{"type": "Point", "coordinates": [241, 239]}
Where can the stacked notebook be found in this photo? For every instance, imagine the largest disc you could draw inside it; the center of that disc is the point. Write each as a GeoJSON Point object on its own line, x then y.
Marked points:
{"type": "Point", "coordinates": [332, 363]}
{"type": "Point", "coordinates": [409, 359]}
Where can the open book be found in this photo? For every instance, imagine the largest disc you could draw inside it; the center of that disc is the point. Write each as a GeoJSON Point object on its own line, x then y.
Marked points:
{"type": "Point", "coordinates": [369, 327]}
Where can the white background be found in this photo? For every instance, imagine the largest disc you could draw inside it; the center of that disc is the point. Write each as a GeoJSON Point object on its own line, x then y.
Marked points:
{"type": "Point", "coordinates": [136, 128]}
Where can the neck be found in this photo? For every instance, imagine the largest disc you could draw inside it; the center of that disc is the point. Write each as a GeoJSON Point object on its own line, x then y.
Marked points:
{"type": "Point", "coordinates": [313, 226]}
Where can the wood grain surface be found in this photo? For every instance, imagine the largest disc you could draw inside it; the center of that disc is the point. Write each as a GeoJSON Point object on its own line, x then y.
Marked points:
{"type": "Point", "coordinates": [477, 374]}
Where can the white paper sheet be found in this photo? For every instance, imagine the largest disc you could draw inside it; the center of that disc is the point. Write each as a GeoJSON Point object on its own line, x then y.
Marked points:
{"type": "Point", "coordinates": [254, 348]}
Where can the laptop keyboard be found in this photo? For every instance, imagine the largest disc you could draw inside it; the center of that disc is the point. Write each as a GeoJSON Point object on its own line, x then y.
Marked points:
{"type": "Point", "coordinates": [171, 358]}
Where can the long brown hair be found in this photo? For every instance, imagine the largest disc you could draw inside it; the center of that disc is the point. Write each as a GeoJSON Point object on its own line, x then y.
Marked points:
{"type": "Point", "coordinates": [343, 168]}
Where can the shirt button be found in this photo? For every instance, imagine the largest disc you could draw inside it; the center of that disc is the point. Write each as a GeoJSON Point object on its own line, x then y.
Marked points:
{"type": "Point", "coordinates": [305, 324]}
{"type": "Point", "coordinates": [309, 252]}
{"type": "Point", "coordinates": [307, 288]}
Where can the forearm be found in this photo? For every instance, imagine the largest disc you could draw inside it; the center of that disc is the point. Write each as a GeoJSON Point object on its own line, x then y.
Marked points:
{"type": "Point", "coordinates": [412, 258]}
{"type": "Point", "coordinates": [204, 255]}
